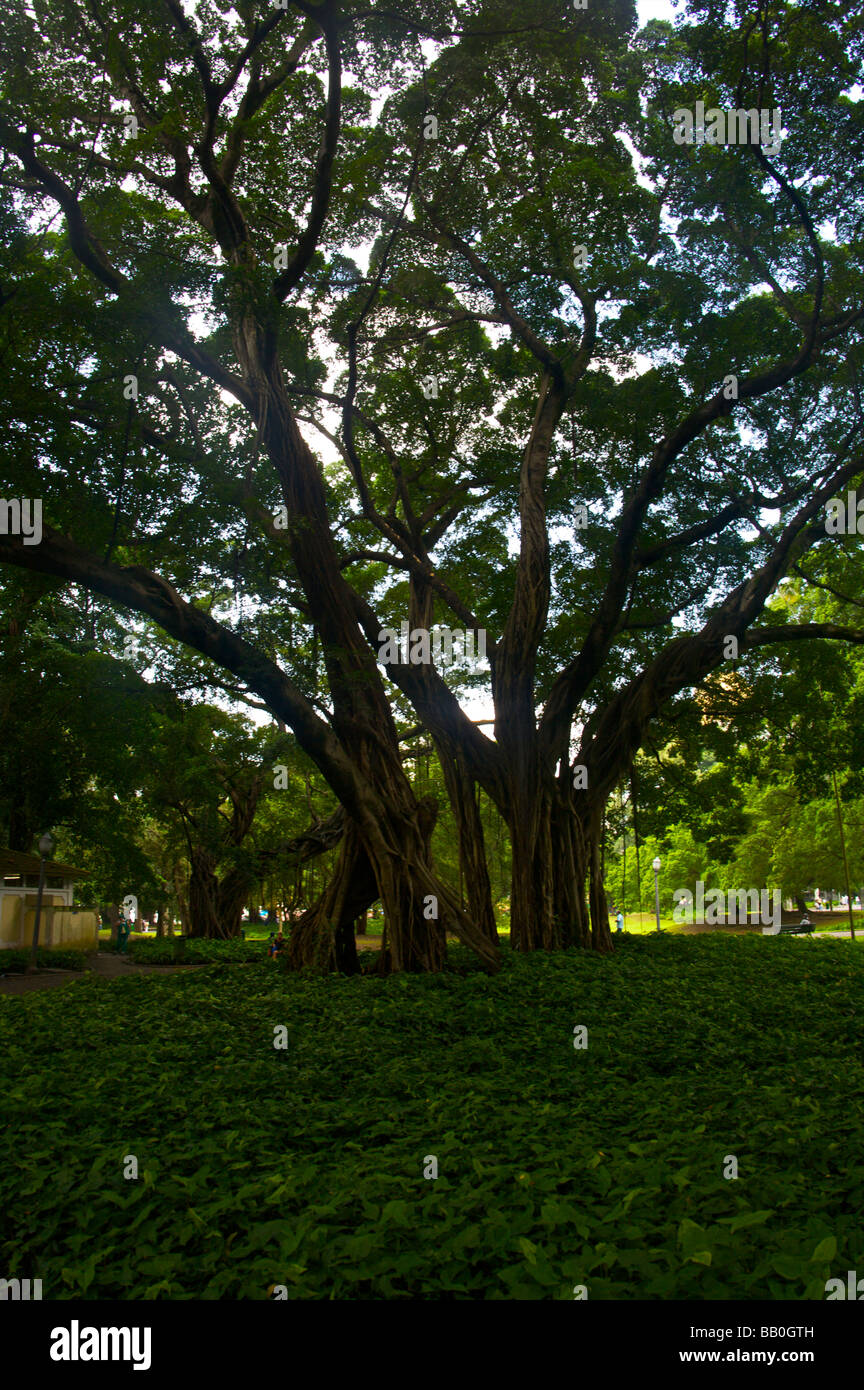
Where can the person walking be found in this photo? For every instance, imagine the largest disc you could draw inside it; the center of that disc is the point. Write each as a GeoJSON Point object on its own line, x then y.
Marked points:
{"type": "Point", "coordinates": [124, 928]}
{"type": "Point", "coordinates": [619, 920]}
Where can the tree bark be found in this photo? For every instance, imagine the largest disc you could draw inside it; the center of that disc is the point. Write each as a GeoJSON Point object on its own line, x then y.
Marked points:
{"type": "Point", "coordinates": [601, 937]}
{"type": "Point", "coordinates": [549, 868]}
{"type": "Point", "coordinates": [392, 828]}
{"type": "Point", "coordinates": [419, 909]}
{"type": "Point", "coordinates": [556, 858]}
{"type": "Point", "coordinates": [182, 894]}
{"type": "Point", "coordinates": [461, 788]}
{"type": "Point", "coordinates": [461, 791]}
{"type": "Point", "coordinates": [230, 901]}
{"type": "Point", "coordinates": [571, 866]}
{"type": "Point", "coordinates": [322, 938]}
{"type": "Point", "coordinates": [203, 891]}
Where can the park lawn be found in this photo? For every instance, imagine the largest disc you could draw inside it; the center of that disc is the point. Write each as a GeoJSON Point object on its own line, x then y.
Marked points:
{"type": "Point", "coordinates": [641, 923]}
{"type": "Point", "coordinates": [303, 1166]}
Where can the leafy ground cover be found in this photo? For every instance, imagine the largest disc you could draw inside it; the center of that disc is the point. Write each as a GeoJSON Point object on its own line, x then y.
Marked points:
{"type": "Point", "coordinates": [47, 958]}
{"type": "Point", "coordinates": [194, 951]}
{"type": "Point", "coordinates": [303, 1166]}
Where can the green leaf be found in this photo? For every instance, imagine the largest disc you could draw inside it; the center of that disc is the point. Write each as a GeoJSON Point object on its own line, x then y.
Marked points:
{"type": "Point", "coordinates": [749, 1218]}
{"type": "Point", "coordinates": [825, 1250]}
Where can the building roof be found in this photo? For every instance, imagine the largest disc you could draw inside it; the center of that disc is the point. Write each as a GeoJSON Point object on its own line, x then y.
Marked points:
{"type": "Point", "coordinates": [12, 861]}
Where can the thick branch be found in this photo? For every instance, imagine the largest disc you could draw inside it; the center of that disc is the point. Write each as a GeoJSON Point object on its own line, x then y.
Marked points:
{"type": "Point", "coordinates": [297, 266]}
{"type": "Point", "coordinates": [799, 632]}
{"type": "Point", "coordinates": [613, 735]}
{"type": "Point", "coordinates": [138, 589]}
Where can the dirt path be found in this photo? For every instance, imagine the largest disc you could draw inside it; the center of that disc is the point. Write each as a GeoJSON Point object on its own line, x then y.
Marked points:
{"type": "Point", "coordinates": [109, 965]}
{"type": "Point", "coordinates": [106, 964]}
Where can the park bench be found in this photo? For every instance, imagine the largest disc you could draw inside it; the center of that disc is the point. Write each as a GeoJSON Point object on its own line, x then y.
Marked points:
{"type": "Point", "coordinates": [802, 928]}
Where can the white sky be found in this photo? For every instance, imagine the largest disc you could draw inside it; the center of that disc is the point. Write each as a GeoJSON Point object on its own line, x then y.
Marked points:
{"type": "Point", "coordinates": [655, 9]}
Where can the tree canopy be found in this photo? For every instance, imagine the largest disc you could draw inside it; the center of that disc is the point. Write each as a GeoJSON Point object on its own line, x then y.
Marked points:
{"type": "Point", "coordinates": [318, 319]}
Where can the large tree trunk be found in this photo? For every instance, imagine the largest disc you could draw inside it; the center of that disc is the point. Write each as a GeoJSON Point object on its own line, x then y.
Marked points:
{"type": "Point", "coordinates": [182, 895]}
{"type": "Point", "coordinates": [393, 831]}
{"type": "Point", "coordinates": [215, 905]}
{"type": "Point", "coordinates": [601, 936]}
{"type": "Point", "coordinates": [394, 864]}
{"type": "Point", "coordinates": [546, 875]}
{"type": "Point", "coordinates": [418, 907]}
{"type": "Point", "coordinates": [230, 901]}
{"type": "Point", "coordinates": [571, 859]}
{"type": "Point", "coordinates": [556, 857]}
{"type": "Point", "coordinates": [532, 886]}
{"type": "Point", "coordinates": [203, 891]}
{"type": "Point", "coordinates": [461, 790]}
{"type": "Point", "coordinates": [323, 937]}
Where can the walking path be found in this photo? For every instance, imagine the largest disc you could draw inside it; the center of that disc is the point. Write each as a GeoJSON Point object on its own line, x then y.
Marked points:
{"type": "Point", "coordinates": [106, 964]}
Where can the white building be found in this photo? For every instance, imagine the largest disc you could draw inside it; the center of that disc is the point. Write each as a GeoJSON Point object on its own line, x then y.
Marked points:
{"type": "Point", "coordinates": [60, 924]}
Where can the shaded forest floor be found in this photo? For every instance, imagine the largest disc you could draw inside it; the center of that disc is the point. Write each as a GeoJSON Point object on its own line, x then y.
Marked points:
{"type": "Point", "coordinates": [283, 1128]}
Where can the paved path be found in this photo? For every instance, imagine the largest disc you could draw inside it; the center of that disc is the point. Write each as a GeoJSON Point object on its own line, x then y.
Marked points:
{"type": "Point", "coordinates": [107, 964]}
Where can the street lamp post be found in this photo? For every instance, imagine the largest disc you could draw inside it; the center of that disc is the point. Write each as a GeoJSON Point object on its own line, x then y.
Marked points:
{"type": "Point", "coordinates": [46, 849]}
{"type": "Point", "coordinates": [656, 867]}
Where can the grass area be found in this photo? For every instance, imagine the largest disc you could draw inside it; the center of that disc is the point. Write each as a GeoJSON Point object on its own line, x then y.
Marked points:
{"type": "Point", "coordinates": [160, 950]}
{"type": "Point", "coordinates": [304, 1165]}
{"type": "Point", "coordinates": [256, 934]}
{"type": "Point", "coordinates": [640, 923]}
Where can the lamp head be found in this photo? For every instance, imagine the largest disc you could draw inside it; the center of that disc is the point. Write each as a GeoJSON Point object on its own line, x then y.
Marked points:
{"type": "Point", "coordinates": [656, 865]}
{"type": "Point", "coordinates": [46, 845]}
